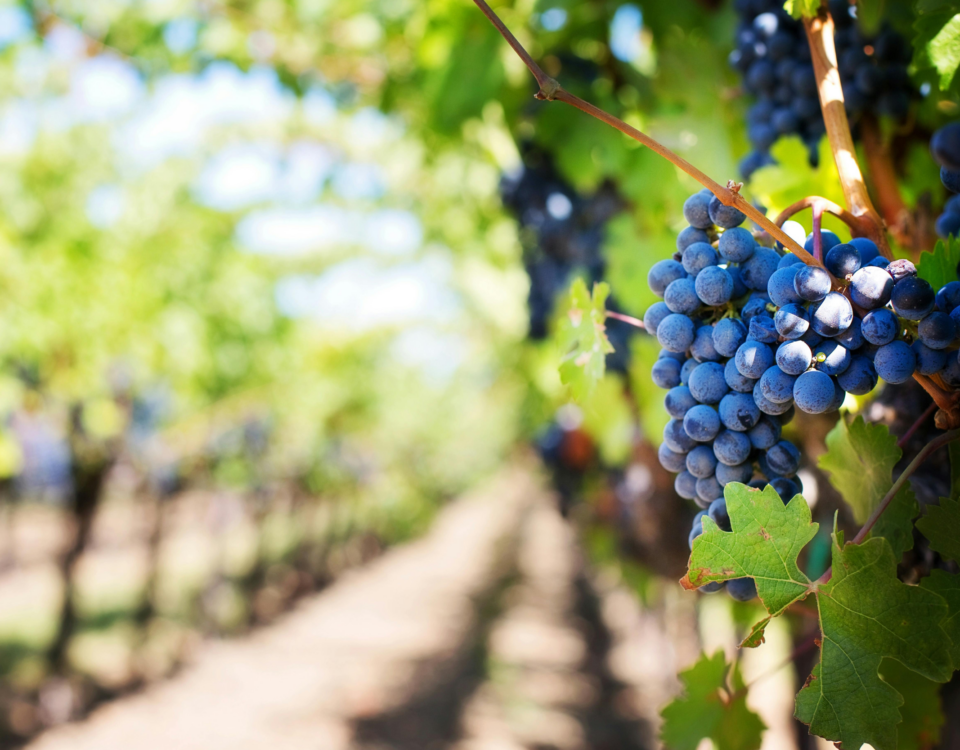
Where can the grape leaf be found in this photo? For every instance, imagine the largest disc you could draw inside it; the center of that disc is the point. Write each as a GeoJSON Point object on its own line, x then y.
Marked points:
{"type": "Point", "coordinates": [860, 458]}
{"type": "Point", "coordinates": [706, 709]}
{"type": "Point", "coordinates": [896, 523]}
{"type": "Point", "coordinates": [583, 339]}
{"type": "Point", "coordinates": [766, 539]}
{"type": "Point", "coordinates": [802, 8]}
{"type": "Point", "coordinates": [940, 266]}
{"type": "Point", "coordinates": [936, 41]}
{"type": "Point", "coordinates": [941, 526]}
{"type": "Point", "coordinates": [922, 711]}
{"type": "Point", "coordinates": [867, 614]}
{"type": "Point", "coordinates": [947, 585]}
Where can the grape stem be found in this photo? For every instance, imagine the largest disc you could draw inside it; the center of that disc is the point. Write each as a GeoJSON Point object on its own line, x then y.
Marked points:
{"type": "Point", "coordinates": [550, 90]}
{"type": "Point", "coordinates": [916, 425]}
{"type": "Point", "coordinates": [626, 319]}
{"type": "Point", "coordinates": [824, 55]}
{"type": "Point", "coordinates": [817, 210]}
{"type": "Point", "coordinates": [826, 205]}
{"type": "Point", "coordinates": [923, 455]}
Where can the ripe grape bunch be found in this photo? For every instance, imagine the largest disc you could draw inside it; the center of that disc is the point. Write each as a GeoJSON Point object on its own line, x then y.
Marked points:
{"type": "Point", "coordinates": [749, 333]}
{"type": "Point", "coordinates": [563, 232]}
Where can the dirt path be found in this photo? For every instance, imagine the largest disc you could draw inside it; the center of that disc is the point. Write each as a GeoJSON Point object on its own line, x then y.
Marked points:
{"type": "Point", "coordinates": [356, 650]}
{"type": "Point", "coordinates": [486, 634]}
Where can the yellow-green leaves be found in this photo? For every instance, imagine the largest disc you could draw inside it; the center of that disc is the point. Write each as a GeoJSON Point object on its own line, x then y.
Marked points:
{"type": "Point", "coordinates": [859, 459]}
{"type": "Point", "coordinates": [583, 339]}
{"type": "Point", "coordinates": [713, 705]}
{"type": "Point", "coordinates": [867, 614]}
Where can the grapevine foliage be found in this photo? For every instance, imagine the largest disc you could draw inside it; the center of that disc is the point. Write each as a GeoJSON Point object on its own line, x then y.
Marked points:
{"type": "Point", "coordinates": [583, 338]}
{"type": "Point", "coordinates": [766, 539]}
{"type": "Point", "coordinates": [940, 266]}
{"type": "Point", "coordinates": [866, 613]}
{"type": "Point", "coordinates": [714, 705]}
{"type": "Point", "coordinates": [940, 525]}
{"type": "Point", "coordinates": [937, 41]}
{"type": "Point", "coordinates": [859, 461]}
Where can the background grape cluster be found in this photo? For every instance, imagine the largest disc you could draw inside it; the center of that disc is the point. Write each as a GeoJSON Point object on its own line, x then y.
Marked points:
{"type": "Point", "coordinates": [750, 333]}
{"type": "Point", "coordinates": [773, 57]}
{"type": "Point", "coordinates": [945, 146]}
{"type": "Point", "coordinates": [562, 234]}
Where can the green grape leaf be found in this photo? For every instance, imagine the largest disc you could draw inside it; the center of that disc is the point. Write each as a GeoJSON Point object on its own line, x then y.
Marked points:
{"type": "Point", "coordinates": [947, 585]}
{"type": "Point", "coordinates": [940, 266]}
{"type": "Point", "coordinates": [896, 523]}
{"type": "Point", "coordinates": [860, 458]}
{"type": "Point", "coordinates": [921, 712]}
{"type": "Point", "coordinates": [941, 526]}
{"type": "Point", "coordinates": [936, 40]}
{"type": "Point", "coordinates": [867, 614]}
{"type": "Point", "coordinates": [710, 707]}
{"type": "Point", "coordinates": [583, 339]}
{"type": "Point", "coordinates": [766, 539]}
{"type": "Point", "coordinates": [802, 8]}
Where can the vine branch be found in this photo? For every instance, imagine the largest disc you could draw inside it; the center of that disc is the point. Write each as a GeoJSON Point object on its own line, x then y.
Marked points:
{"type": "Point", "coordinates": [916, 425]}
{"type": "Point", "coordinates": [824, 55]}
{"type": "Point", "coordinates": [636, 322]}
{"type": "Point", "coordinates": [551, 90]}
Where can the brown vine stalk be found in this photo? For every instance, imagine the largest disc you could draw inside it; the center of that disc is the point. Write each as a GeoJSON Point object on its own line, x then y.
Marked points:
{"type": "Point", "coordinates": [824, 55]}
{"type": "Point", "coordinates": [551, 90]}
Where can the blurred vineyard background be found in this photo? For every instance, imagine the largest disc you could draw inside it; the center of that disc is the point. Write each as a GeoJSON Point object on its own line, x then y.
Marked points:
{"type": "Point", "coordinates": [277, 283]}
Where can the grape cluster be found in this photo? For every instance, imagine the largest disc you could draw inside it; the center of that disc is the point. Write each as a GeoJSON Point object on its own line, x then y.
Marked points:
{"type": "Point", "coordinates": [773, 56]}
{"type": "Point", "coordinates": [562, 234]}
{"type": "Point", "coordinates": [748, 334]}
{"type": "Point", "coordinates": [945, 146]}
{"type": "Point", "coordinates": [716, 332]}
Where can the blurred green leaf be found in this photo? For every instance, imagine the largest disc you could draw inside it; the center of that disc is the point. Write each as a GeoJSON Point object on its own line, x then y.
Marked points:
{"type": "Point", "coordinates": [583, 340]}
{"type": "Point", "coordinates": [714, 706]}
